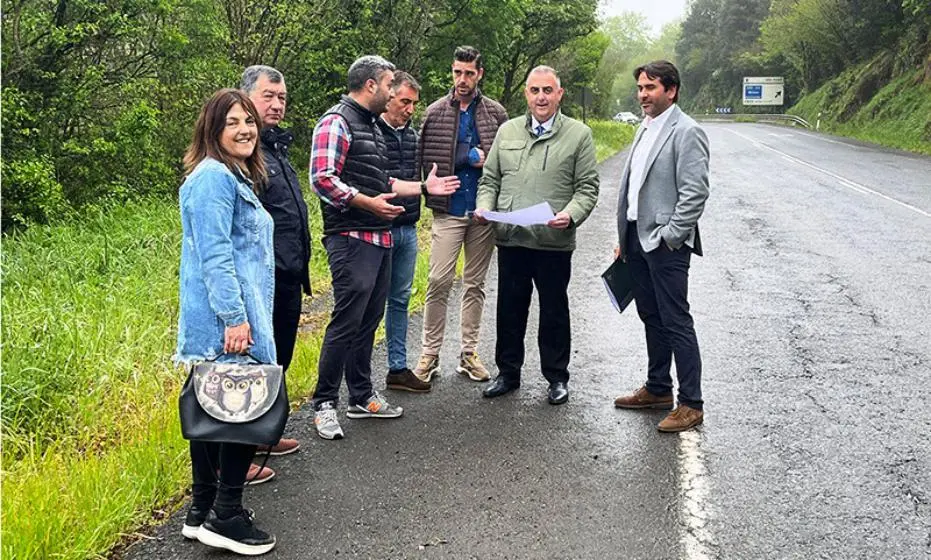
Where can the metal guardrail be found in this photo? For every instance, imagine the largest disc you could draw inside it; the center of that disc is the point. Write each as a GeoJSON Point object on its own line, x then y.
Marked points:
{"type": "Point", "coordinates": [755, 117]}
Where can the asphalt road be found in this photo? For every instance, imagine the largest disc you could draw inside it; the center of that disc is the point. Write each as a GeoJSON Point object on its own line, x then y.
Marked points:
{"type": "Point", "coordinates": [812, 307]}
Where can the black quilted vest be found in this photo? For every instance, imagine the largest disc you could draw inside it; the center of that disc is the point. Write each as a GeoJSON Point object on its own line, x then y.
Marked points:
{"type": "Point", "coordinates": [365, 169]}
{"type": "Point", "coordinates": [402, 164]}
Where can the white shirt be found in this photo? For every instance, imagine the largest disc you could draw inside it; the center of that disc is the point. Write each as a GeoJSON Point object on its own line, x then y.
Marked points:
{"type": "Point", "coordinates": [547, 126]}
{"type": "Point", "coordinates": [651, 128]}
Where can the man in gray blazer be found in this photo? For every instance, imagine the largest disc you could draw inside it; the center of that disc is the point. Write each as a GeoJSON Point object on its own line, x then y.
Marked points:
{"type": "Point", "coordinates": [663, 193]}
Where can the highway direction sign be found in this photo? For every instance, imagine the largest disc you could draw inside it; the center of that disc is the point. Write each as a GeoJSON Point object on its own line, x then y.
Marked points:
{"type": "Point", "coordinates": [763, 91]}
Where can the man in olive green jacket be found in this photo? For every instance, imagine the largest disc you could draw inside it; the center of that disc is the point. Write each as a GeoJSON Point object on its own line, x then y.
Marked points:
{"type": "Point", "coordinates": [543, 156]}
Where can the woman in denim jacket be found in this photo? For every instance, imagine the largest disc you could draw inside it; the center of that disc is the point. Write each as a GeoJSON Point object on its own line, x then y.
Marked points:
{"type": "Point", "coordinates": [227, 287]}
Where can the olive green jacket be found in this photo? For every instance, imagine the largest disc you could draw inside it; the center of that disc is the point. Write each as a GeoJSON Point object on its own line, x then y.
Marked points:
{"type": "Point", "coordinates": [523, 170]}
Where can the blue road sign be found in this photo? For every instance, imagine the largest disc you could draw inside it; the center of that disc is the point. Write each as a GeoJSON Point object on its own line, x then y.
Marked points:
{"type": "Point", "coordinates": [753, 92]}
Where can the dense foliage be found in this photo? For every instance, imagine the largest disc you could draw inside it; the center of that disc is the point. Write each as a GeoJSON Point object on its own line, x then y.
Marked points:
{"type": "Point", "coordinates": [99, 96]}
{"type": "Point", "coordinates": [809, 42]}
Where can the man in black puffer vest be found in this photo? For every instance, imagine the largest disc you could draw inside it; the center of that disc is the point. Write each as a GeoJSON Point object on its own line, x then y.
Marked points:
{"type": "Point", "coordinates": [401, 141]}
{"type": "Point", "coordinates": [348, 166]}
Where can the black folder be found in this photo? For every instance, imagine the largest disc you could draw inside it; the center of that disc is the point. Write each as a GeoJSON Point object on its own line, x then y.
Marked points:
{"type": "Point", "coordinates": [619, 284]}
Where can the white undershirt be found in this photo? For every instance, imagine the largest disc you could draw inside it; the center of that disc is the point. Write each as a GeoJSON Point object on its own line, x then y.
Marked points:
{"type": "Point", "coordinates": [651, 129]}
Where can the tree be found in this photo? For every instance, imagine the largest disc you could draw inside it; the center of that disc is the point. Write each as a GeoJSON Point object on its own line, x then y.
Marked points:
{"type": "Point", "coordinates": [99, 96]}
{"type": "Point", "coordinates": [83, 81]}
{"type": "Point", "coordinates": [712, 50]}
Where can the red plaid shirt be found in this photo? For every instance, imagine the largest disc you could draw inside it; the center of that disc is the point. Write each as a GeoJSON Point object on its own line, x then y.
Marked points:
{"type": "Point", "coordinates": [327, 157]}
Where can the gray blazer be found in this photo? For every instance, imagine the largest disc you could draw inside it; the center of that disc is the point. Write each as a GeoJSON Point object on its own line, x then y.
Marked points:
{"type": "Point", "coordinates": [675, 187]}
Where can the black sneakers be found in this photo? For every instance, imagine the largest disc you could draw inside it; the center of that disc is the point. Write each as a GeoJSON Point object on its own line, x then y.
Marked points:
{"type": "Point", "coordinates": [237, 534]}
{"type": "Point", "coordinates": [195, 518]}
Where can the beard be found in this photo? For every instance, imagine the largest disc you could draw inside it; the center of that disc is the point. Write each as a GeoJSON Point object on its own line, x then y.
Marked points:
{"type": "Point", "coordinates": [465, 91]}
{"type": "Point", "coordinates": [380, 102]}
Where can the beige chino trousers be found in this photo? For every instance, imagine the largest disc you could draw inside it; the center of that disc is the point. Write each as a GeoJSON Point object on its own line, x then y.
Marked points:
{"type": "Point", "coordinates": [450, 234]}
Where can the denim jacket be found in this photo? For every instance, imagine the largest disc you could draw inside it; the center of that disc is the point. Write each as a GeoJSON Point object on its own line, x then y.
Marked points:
{"type": "Point", "coordinates": [227, 265]}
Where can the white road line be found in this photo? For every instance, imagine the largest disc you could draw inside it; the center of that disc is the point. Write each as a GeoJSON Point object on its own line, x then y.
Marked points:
{"type": "Point", "coordinates": [696, 540]}
{"type": "Point", "coordinates": [843, 181]}
{"type": "Point", "coordinates": [823, 139]}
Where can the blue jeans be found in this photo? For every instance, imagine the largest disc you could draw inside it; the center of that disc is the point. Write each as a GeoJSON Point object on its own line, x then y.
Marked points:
{"type": "Point", "coordinates": [403, 261]}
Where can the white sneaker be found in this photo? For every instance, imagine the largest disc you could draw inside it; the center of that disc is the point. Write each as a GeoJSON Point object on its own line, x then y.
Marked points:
{"type": "Point", "coordinates": [375, 407]}
{"type": "Point", "coordinates": [326, 422]}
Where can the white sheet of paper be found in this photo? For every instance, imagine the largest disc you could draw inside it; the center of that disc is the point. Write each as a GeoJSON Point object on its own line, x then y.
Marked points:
{"type": "Point", "coordinates": [537, 214]}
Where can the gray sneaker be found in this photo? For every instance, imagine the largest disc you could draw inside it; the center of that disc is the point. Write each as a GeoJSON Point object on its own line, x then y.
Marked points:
{"type": "Point", "coordinates": [326, 422]}
{"type": "Point", "coordinates": [375, 407]}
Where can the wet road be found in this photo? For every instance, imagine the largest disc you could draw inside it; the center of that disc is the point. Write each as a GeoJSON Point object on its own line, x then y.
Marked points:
{"type": "Point", "coordinates": [812, 307]}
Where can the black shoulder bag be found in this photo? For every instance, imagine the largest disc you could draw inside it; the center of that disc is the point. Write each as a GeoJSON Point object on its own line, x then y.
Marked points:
{"type": "Point", "coordinates": [234, 402]}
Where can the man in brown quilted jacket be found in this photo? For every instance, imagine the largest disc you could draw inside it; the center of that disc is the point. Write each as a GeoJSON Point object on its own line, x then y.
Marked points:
{"type": "Point", "coordinates": [457, 132]}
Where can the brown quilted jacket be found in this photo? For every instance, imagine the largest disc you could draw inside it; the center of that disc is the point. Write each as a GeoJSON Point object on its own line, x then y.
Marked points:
{"type": "Point", "coordinates": [440, 129]}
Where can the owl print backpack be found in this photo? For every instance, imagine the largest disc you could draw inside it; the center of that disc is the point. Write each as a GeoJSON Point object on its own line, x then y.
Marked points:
{"type": "Point", "coordinates": [234, 402]}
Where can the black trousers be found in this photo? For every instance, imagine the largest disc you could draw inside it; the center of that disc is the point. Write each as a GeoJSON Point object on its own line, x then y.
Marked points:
{"type": "Point", "coordinates": [286, 315]}
{"type": "Point", "coordinates": [361, 275]}
{"type": "Point", "coordinates": [519, 270]}
{"type": "Point", "coordinates": [661, 286]}
{"type": "Point", "coordinates": [221, 491]}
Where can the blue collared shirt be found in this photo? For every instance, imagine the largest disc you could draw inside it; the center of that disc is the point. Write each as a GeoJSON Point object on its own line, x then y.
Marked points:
{"type": "Point", "coordinates": [463, 200]}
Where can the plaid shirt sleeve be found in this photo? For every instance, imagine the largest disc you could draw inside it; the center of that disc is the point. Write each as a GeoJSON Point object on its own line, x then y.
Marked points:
{"type": "Point", "coordinates": [328, 154]}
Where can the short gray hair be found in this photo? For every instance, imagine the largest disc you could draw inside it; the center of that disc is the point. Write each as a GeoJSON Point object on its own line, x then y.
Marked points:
{"type": "Point", "coordinates": [251, 76]}
{"type": "Point", "coordinates": [543, 69]}
{"type": "Point", "coordinates": [401, 78]}
{"type": "Point", "coordinates": [365, 68]}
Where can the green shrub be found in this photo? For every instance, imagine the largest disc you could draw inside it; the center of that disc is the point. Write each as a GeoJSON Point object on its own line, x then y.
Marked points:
{"type": "Point", "coordinates": [31, 192]}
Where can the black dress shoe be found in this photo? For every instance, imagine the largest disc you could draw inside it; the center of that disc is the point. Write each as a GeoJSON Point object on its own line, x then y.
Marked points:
{"type": "Point", "coordinates": [500, 386]}
{"type": "Point", "coordinates": [558, 393]}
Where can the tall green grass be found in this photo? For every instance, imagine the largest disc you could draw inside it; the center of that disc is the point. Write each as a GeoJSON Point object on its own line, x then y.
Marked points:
{"type": "Point", "coordinates": [91, 442]}
{"type": "Point", "coordinates": [92, 448]}
{"type": "Point", "coordinates": [610, 137]}
{"type": "Point", "coordinates": [898, 115]}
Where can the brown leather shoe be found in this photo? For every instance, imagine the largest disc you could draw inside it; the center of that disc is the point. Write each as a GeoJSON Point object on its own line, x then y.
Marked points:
{"type": "Point", "coordinates": [258, 475]}
{"type": "Point", "coordinates": [405, 380]}
{"type": "Point", "coordinates": [681, 419]}
{"type": "Point", "coordinates": [283, 447]}
{"type": "Point", "coordinates": [641, 398]}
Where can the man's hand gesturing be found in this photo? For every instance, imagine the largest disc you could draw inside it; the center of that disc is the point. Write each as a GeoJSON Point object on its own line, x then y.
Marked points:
{"type": "Point", "coordinates": [441, 186]}
{"type": "Point", "coordinates": [382, 207]}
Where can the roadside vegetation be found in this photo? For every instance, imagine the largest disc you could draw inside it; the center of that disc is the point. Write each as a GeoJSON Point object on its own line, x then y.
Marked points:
{"type": "Point", "coordinates": [611, 137]}
{"type": "Point", "coordinates": [898, 115]}
{"type": "Point", "coordinates": [863, 68]}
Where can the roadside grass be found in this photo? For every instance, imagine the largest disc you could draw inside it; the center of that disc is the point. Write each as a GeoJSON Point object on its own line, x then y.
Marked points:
{"type": "Point", "coordinates": [897, 116]}
{"type": "Point", "coordinates": [91, 442]}
{"type": "Point", "coordinates": [611, 137]}
{"type": "Point", "coordinates": [92, 447]}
